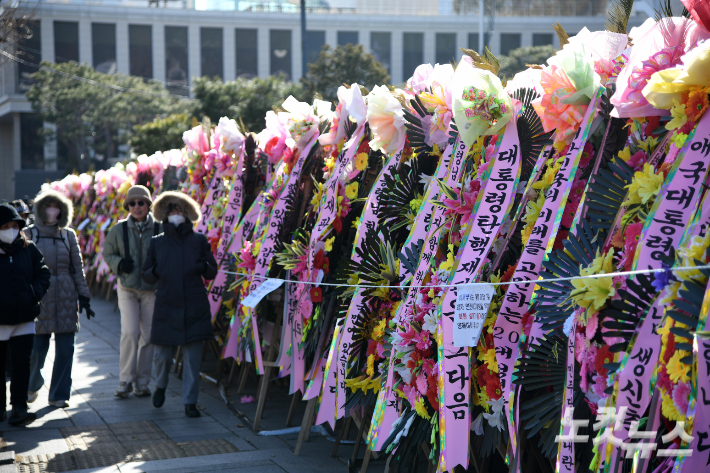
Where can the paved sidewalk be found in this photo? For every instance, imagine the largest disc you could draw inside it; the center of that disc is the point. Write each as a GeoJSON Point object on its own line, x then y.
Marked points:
{"type": "Point", "coordinates": [99, 432]}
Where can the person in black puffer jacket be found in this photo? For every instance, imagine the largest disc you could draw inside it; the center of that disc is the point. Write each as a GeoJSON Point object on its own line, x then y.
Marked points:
{"type": "Point", "coordinates": [24, 280]}
{"type": "Point", "coordinates": [178, 260]}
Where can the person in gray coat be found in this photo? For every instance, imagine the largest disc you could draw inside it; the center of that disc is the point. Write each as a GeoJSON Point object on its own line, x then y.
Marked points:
{"type": "Point", "coordinates": [178, 260]}
{"type": "Point", "coordinates": [68, 295]}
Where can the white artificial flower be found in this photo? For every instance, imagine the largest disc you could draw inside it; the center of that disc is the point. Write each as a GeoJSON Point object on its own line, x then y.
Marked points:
{"type": "Point", "coordinates": [386, 118]}
{"type": "Point", "coordinates": [431, 321]}
{"type": "Point", "coordinates": [496, 418]}
{"type": "Point", "coordinates": [477, 425]}
{"type": "Point", "coordinates": [231, 138]}
{"type": "Point", "coordinates": [567, 328]}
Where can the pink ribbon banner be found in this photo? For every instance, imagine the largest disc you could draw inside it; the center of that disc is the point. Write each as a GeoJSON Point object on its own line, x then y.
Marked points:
{"type": "Point", "coordinates": [664, 228]}
{"type": "Point", "coordinates": [231, 219]}
{"type": "Point", "coordinates": [214, 193]}
{"type": "Point", "coordinates": [491, 210]}
{"type": "Point", "coordinates": [270, 239]}
{"type": "Point", "coordinates": [368, 222]}
{"type": "Point", "coordinates": [507, 328]}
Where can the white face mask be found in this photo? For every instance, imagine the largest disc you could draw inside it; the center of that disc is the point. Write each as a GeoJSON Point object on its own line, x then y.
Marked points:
{"type": "Point", "coordinates": [176, 219]}
{"type": "Point", "coordinates": [52, 214]}
{"type": "Point", "coordinates": [9, 235]}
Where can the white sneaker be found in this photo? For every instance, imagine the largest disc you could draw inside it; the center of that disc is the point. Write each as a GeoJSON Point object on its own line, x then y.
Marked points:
{"type": "Point", "coordinates": [32, 396]}
{"type": "Point", "coordinates": [59, 404]}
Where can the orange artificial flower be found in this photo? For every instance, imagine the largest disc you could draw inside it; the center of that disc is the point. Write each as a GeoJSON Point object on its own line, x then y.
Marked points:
{"type": "Point", "coordinates": [697, 104]}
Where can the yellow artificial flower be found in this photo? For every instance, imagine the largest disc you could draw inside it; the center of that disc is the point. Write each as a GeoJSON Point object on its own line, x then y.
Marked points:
{"type": "Point", "coordinates": [421, 410]}
{"type": "Point", "coordinates": [351, 190]}
{"type": "Point", "coordinates": [592, 293]}
{"type": "Point", "coordinates": [665, 331]}
{"type": "Point", "coordinates": [378, 331]}
{"type": "Point", "coordinates": [679, 139]}
{"type": "Point", "coordinates": [669, 84]}
{"type": "Point", "coordinates": [644, 185]}
{"type": "Point", "coordinates": [330, 164]}
{"type": "Point", "coordinates": [668, 408]}
{"type": "Point", "coordinates": [533, 209]}
{"type": "Point", "coordinates": [625, 154]}
{"type": "Point", "coordinates": [679, 116]}
{"type": "Point", "coordinates": [546, 181]}
{"type": "Point", "coordinates": [361, 161]}
{"type": "Point", "coordinates": [490, 358]}
{"type": "Point", "coordinates": [649, 145]}
{"type": "Point", "coordinates": [123, 188]}
{"type": "Point", "coordinates": [677, 370]}
{"type": "Point", "coordinates": [370, 365]}
{"type": "Point", "coordinates": [415, 204]}
{"type": "Point", "coordinates": [318, 194]}
{"type": "Point", "coordinates": [329, 244]}
{"type": "Point", "coordinates": [255, 250]}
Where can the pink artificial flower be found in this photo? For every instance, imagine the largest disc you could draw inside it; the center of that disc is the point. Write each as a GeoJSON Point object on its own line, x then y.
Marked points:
{"type": "Point", "coordinates": [637, 160]}
{"type": "Point", "coordinates": [599, 386]}
{"type": "Point", "coordinates": [463, 207]}
{"type": "Point", "coordinates": [411, 393]}
{"type": "Point", "coordinates": [632, 235]}
{"type": "Point", "coordinates": [681, 394]}
{"type": "Point", "coordinates": [569, 214]}
{"type": "Point", "coordinates": [422, 339]}
{"type": "Point", "coordinates": [587, 154]}
{"type": "Point", "coordinates": [306, 308]}
{"type": "Point", "coordinates": [592, 325]}
{"type": "Point", "coordinates": [575, 194]}
{"type": "Point", "coordinates": [408, 337]}
{"type": "Point", "coordinates": [430, 367]}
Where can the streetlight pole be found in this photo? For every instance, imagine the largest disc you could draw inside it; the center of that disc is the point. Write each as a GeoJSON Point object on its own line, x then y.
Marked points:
{"type": "Point", "coordinates": [304, 58]}
{"type": "Point", "coordinates": [480, 27]}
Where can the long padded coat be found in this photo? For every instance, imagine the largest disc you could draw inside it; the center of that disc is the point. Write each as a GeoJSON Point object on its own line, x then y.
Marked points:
{"type": "Point", "coordinates": [182, 310]}
{"type": "Point", "coordinates": [58, 244]}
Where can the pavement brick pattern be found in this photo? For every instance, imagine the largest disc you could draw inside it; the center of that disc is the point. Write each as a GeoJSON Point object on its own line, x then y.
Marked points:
{"type": "Point", "coordinates": [100, 433]}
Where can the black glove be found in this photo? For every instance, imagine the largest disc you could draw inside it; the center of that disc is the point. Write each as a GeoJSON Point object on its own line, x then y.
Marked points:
{"type": "Point", "coordinates": [85, 306]}
{"type": "Point", "coordinates": [126, 266]}
{"type": "Point", "coordinates": [201, 266]}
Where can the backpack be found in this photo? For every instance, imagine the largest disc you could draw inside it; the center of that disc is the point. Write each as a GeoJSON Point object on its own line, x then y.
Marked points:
{"type": "Point", "coordinates": [39, 236]}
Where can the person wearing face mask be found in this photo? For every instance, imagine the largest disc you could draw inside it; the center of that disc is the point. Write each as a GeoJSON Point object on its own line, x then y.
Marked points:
{"type": "Point", "coordinates": [125, 251]}
{"type": "Point", "coordinates": [24, 280]}
{"type": "Point", "coordinates": [68, 295]}
{"type": "Point", "coordinates": [179, 261]}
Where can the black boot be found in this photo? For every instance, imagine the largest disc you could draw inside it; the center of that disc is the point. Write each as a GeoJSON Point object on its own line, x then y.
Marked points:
{"type": "Point", "coordinates": [191, 410]}
{"type": "Point", "coordinates": [159, 397]}
{"type": "Point", "coordinates": [20, 416]}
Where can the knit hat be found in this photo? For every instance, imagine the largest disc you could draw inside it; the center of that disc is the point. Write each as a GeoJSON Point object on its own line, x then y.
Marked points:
{"type": "Point", "coordinates": [137, 192]}
{"type": "Point", "coordinates": [9, 214]}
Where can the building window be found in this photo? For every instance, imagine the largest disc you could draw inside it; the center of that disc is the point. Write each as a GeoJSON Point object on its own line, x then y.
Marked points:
{"type": "Point", "coordinates": [211, 52]}
{"type": "Point", "coordinates": [176, 70]}
{"type": "Point", "coordinates": [32, 146]}
{"type": "Point", "coordinates": [347, 37]}
{"type": "Point", "coordinates": [66, 41]}
{"type": "Point", "coordinates": [381, 46]}
{"type": "Point", "coordinates": [473, 41]}
{"type": "Point", "coordinates": [445, 48]}
{"type": "Point", "coordinates": [413, 54]}
{"type": "Point", "coordinates": [30, 51]}
{"type": "Point", "coordinates": [508, 42]}
{"type": "Point", "coordinates": [542, 39]}
{"type": "Point", "coordinates": [314, 43]}
{"type": "Point", "coordinates": [247, 52]}
{"type": "Point", "coordinates": [281, 53]}
{"type": "Point", "coordinates": [140, 50]}
{"type": "Point", "coordinates": [103, 44]}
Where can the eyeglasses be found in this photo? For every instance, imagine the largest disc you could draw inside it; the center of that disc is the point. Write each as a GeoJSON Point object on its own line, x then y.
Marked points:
{"type": "Point", "coordinates": [139, 203]}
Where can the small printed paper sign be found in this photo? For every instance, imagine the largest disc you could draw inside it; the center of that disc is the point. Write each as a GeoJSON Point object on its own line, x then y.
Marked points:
{"type": "Point", "coordinates": [83, 224]}
{"type": "Point", "coordinates": [472, 303]}
{"type": "Point", "coordinates": [266, 287]}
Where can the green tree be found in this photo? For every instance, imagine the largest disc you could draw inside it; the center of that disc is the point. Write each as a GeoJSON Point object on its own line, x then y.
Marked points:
{"type": "Point", "coordinates": [161, 134]}
{"type": "Point", "coordinates": [245, 99]}
{"type": "Point", "coordinates": [95, 113]}
{"type": "Point", "coordinates": [517, 59]}
{"type": "Point", "coordinates": [343, 65]}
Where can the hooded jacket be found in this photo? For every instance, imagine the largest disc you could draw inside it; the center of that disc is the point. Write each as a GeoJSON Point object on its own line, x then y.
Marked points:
{"type": "Point", "coordinates": [58, 243]}
{"type": "Point", "coordinates": [138, 241]}
{"type": "Point", "coordinates": [182, 310]}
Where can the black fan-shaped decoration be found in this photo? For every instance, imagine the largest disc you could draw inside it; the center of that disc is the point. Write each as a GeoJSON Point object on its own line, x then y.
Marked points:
{"type": "Point", "coordinates": [541, 373]}
{"type": "Point", "coordinates": [532, 135]}
{"type": "Point", "coordinates": [415, 131]}
{"type": "Point", "coordinates": [607, 193]}
{"type": "Point", "coordinates": [401, 187]}
{"type": "Point", "coordinates": [553, 304]}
